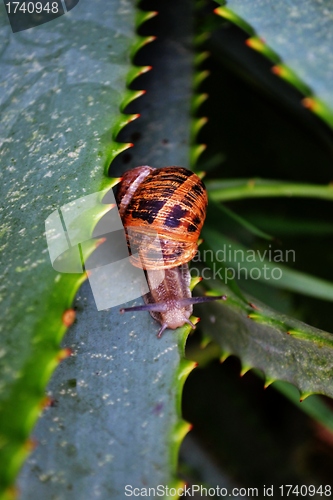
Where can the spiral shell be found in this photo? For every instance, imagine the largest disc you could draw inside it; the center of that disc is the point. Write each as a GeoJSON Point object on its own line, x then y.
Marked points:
{"type": "Point", "coordinates": [163, 211]}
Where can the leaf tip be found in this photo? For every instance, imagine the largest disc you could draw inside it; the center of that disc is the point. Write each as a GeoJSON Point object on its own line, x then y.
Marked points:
{"type": "Point", "coordinates": [180, 430]}
{"type": "Point", "coordinates": [30, 445]}
{"type": "Point", "coordinates": [134, 117]}
{"type": "Point", "coordinates": [268, 382]}
{"type": "Point", "coordinates": [304, 395]}
{"type": "Point", "coordinates": [254, 42]}
{"type": "Point", "coordinates": [46, 402]}
{"type": "Point", "coordinates": [64, 353]}
{"type": "Point", "coordinates": [68, 317]}
{"type": "Point", "coordinates": [185, 369]}
{"type": "Point", "coordinates": [99, 242]}
{"type": "Point", "coordinates": [244, 370]}
{"type": "Point", "coordinates": [224, 356]}
{"type": "Point", "coordinates": [11, 493]}
{"type": "Point", "coordinates": [195, 281]}
{"type": "Point", "coordinates": [277, 70]}
{"type": "Point", "coordinates": [309, 103]}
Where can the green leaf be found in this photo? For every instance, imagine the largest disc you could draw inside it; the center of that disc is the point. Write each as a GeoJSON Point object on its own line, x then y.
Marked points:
{"type": "Point", "coordinates": [263, 266]}
{"type": "Point", "coordinates": [115, 417]}
{"type": "Point", "coordinates": [279, 225]}
{"type": "Point", "coordinates": [117, 398]}
{"type": "Point", "coordinates": [237, 189]}
{"type": "Point", "coordinates": [64, 83]}
{"type": "Point", "coordinates": [251, 228]}
{"type": "Point", "coordinates": [281, 347]}
{"type": "Point", "coordinates": [299, 32]}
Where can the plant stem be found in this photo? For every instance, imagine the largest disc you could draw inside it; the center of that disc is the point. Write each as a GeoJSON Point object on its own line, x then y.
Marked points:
{"type": "Point", "coordinates": [236, 189]}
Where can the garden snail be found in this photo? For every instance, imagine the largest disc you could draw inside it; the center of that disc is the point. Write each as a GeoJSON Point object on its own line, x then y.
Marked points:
{"type": "Point", "coordinates": [163, 211]}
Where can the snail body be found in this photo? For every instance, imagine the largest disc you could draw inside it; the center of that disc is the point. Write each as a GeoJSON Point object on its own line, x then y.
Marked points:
{"type": "Point", "coordinates": [163, 211]}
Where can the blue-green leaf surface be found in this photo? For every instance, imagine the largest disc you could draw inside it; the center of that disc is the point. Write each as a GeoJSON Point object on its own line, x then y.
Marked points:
{"type": "Point", "coordinates": [115, 417]}
{"type": "Point", "coordinates": [300, 32]}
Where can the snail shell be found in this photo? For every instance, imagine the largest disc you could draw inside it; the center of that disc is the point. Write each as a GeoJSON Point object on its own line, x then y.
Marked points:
{"type": "Point", "coordinates": [169, 202]}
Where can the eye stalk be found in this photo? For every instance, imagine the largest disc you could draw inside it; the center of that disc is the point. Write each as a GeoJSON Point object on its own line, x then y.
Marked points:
{"type": "Point", "coordinates": [174, 312]}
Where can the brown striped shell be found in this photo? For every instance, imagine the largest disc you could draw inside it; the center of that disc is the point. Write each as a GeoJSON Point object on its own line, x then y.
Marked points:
{"type": "Point", "coordinates": [168, 202]}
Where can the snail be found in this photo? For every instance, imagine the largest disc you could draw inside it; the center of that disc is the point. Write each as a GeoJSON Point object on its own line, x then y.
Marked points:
{"type": "Point", "coordinates": [163, 211]}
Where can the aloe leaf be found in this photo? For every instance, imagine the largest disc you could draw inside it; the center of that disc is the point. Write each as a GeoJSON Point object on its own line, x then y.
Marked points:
{"type": "Point", "coordinates": [59, 107]}
{"type": "Point", "coordinates": [281, 347]}
{"type": "Point", "coordinates": [117, 399]}
{"type": "Point", "coordinates": [293, 34]}
{"type": "Point", "coordinates": [113, 423]}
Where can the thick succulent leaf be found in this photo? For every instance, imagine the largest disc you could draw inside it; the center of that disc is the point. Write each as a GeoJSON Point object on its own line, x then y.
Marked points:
{"type": "Point", "coordinates": [62, 84]}
{"type": "Point", "coordinates": [282, 347]}
{"type": "Point", "coordinates": [116, 401]}
{"type": "Point", "coordinates": [116, 413]}
{"type": "Point", "coordinates": [300, 33]}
